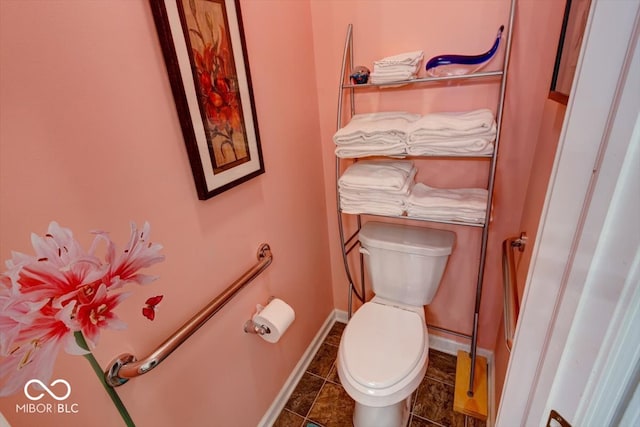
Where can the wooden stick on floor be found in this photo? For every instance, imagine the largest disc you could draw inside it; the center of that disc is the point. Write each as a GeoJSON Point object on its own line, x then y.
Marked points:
{"type": "Point", "coordinates": [476, 406]}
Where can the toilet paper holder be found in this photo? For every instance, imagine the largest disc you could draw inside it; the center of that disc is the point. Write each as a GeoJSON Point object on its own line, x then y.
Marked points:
{"type": "Point", "coordinates": [251, 327]}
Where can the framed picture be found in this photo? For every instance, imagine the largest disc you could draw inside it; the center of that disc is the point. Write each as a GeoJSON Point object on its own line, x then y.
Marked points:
{"type": "Point", "coordinates": [204, 51]}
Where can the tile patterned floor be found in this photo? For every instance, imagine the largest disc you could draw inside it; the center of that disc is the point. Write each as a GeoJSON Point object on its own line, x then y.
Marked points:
{"type": "Point", "coordinates": [320, 401]}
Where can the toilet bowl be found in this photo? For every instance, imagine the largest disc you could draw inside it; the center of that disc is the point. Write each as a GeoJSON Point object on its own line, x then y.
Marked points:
{"type": "Point", "coordinates": [383, 352]}
{"type": "Point", "coordinates": [382, 359]}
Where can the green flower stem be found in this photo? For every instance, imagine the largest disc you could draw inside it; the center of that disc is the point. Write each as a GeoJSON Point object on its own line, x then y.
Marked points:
{"type": "Point", "coordinates": [110, 390]}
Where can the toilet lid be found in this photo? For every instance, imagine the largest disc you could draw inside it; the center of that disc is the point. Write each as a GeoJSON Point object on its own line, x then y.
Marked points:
{"type": "Point", "coordinates": [382, 344]}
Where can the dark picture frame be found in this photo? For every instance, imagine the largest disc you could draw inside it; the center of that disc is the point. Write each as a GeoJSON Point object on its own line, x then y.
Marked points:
{"type": "Point", "coordinates": [205, 54]}
{"type": "Point", "coordinates": [574, 20]}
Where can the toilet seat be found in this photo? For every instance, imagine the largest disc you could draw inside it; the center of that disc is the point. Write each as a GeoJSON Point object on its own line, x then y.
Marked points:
{"type": "Point", "coordinates": [382, 344]}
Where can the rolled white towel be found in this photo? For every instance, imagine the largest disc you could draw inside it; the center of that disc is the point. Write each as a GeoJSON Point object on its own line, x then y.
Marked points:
{"type": "Point", "coordinates": [381, 174]}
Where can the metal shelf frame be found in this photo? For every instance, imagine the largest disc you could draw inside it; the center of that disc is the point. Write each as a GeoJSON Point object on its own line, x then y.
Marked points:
{"type": "Point", "coordinates": [349, 243]}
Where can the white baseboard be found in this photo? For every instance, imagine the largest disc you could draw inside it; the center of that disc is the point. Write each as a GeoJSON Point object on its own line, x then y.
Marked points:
{"type": "Point", "coordinates": [298, 371]}
{"type": "Point", "coordinates": [436, 342]}
{"type": "Point", "coordinates": [341, 316]}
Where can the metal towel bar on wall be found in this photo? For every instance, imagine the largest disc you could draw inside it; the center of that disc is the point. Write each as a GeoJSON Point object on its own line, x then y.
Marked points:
{"type": "Point", "coordinates": [126, 366]}
{"type": "Point", "coordinates": [510, 285]}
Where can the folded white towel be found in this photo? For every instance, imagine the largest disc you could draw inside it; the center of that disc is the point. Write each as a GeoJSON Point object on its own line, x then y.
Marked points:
{"type": "Point", "coordinates": [373, 209]}
{"type": "Point", "coordinates": [371, 139]}
{"type": "Point", "coordinates": [381, 174]}
{"type": "Point", "coordinates": [458, 198]}
{"type": "Point", "coordinates": [410, 58]}
{"type": "Point", "coordinates": [443, 136]}
{"type": "Point", "coordinates": [378, 193]}
{"type": "Point", "coordinates": [398, 151]}
{"type": "Point", "coordinates": [451, 216]}
{"type": "Point", "coordinates": [411, 117]}
{"type": "Point", "coordinates": [378, 70]}
{"type": "Point", "coordinates": [391, 125]}
{"type": "Point", "coordinates": [460, 146]}
{"type": "Point", "coordinates": [395, 200]}
{"type": "Point", "coordinates": [396, 77]}
{"type": "Point", "coordinates": [399, 133]}
{"type": "Point", "coordinates": [454, 124]}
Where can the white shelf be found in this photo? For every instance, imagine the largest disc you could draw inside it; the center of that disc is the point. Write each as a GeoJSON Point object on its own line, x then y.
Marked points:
{"type": "Point", "coordinates": [401, 83]}
{"type": "Point", "coordinates": [413, 218]}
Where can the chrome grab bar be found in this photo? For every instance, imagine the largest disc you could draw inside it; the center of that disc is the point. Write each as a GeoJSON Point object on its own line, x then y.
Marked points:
{"type": "Point", "coordinates": [126, 366]}
{"type": "Point", "coordinates": [510, 286]}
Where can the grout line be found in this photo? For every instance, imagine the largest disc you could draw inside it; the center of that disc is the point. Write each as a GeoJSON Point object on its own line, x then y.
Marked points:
{"type": "Point", "coordinates": [315, 375]}
{"type": "Point", "coordinates": [306, 417]}
{"type": "Point", "coordinates": [440, 381]}
{"type": "Point", "coordinates": [314, 401]}
{"type": "Point", "coordinates": [428, 420]}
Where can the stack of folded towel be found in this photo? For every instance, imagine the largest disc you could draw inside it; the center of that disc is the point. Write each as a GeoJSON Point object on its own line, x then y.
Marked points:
{"type": "Point", "coordinates": [401, 134]}
{"type": "Point", "coordinates": [462, 204]}
{"type": "Point", "coordinates": [379, 187]}
{"type": "Point", "coordinates": [395, 68]}
{"type": "Point", "coordinates": [465, 133]}
{"type": "Point", "coordinates": [374, 134]}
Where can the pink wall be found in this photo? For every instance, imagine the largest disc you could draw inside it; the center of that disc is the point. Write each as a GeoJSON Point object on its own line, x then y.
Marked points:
{"type": "Point", "coordinates": [547, 143]}
{"type": "Point", "coordinates": [386, 28]}
{"type": "Point", "coordinates": [89, 137]}
{"type": "Point", "coordinates": [540, 132]}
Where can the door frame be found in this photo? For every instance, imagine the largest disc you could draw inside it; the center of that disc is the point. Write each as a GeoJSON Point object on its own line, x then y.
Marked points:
{"type": "Point", "coordinates": [571, 224]}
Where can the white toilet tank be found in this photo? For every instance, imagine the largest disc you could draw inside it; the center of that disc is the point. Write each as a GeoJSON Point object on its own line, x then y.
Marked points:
{"type": "Point", "coordinates": [405, 263]}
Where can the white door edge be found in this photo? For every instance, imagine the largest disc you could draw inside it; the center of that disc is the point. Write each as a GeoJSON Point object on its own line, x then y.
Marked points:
{"type": "Point", "coordinates": [537, 342]}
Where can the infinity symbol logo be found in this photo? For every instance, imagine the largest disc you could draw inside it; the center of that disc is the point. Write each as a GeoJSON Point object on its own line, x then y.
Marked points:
{"type": "Point", "coordinates": [52, 394]}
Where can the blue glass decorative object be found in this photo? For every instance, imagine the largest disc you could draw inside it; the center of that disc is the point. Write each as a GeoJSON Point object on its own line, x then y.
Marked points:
{"type": "Point", "coordinates": [453, 65]}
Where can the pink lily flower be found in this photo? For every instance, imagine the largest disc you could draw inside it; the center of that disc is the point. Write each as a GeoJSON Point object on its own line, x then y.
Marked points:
{"type": "Point", "coordinates": [59, 269]}
{"type": "Point", "coordinates": [99, 314]}
{"type": "Point", "coordinates": [35, 358]}
{"type": "Point", "coordinates": [140, 252]}
{"type": "Point", "coordinates": [15, 313]}
{"type": "Point", "coordinates": [45, 299]}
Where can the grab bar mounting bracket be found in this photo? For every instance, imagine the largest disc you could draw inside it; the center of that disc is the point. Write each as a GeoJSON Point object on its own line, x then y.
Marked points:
{"type": "Point", "coordinates": [520, 242]}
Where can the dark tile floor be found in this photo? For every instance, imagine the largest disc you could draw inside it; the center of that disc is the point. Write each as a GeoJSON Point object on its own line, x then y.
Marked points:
{"type": "Point", "coordinates": [320, 401]}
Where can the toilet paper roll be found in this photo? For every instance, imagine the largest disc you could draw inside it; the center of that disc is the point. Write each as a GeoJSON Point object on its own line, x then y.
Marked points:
{"type": "Point", "coordinates": [277, 316]}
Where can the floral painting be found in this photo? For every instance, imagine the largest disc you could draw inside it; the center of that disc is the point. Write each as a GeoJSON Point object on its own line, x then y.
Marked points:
{"type": "Point", "coordinates": [221, 134]}
{"type": "Point", "coordinates": [216, 82]}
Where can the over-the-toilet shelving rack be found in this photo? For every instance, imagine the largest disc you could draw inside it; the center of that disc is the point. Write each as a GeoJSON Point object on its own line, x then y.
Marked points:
{"type": "Point", "coordinates": [348, 243]}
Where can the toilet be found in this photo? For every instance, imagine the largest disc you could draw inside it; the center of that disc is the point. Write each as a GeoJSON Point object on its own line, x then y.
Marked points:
{"type": "Point", "coordinates": [384, 348]}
